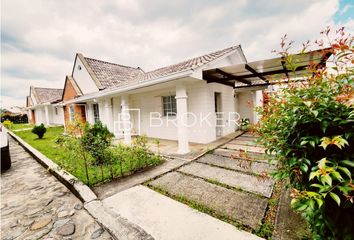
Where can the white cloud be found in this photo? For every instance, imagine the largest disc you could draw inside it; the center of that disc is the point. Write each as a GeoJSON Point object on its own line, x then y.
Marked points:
{"type": "Point", "coordinates": [40, 38]}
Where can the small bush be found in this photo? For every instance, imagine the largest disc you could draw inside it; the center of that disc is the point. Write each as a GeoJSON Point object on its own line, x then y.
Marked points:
{"type": "Point", "coordinates": [8, 124]}
{"type": "Point", "coordinates": [39, 130]}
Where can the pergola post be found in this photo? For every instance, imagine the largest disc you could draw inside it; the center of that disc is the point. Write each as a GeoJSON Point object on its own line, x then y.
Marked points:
{"type": "Point", "coordinates": [126, 119]}
{"type": "Point", "coordinates": [182, 119]}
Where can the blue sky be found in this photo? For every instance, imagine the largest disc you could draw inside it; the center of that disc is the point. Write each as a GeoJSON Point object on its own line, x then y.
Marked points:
{"type": "Point", "coordinates": [39, 38]}
{"type": "Point", "coordinates": [345, 12]}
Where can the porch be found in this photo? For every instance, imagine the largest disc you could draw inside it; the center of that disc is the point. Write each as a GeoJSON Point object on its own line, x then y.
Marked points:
{"type": "Point", "coordinates": [169, 148]}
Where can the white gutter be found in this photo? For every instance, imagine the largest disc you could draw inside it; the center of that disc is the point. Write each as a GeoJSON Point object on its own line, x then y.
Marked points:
{"type": "Point", "coordinates": [147, 83]}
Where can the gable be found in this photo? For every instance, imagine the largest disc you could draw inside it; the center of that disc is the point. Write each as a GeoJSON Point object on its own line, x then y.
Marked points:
{"type": "Point", "coordinates": [29, 102]}
{"type": "Point", "coordinates": [83, 76]}
{"type": "Point", "coordinates": [71, 90]}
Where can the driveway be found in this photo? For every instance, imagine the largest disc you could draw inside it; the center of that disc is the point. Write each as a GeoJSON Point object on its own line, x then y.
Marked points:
{"type": "Point", "coordinates": [35, 205]}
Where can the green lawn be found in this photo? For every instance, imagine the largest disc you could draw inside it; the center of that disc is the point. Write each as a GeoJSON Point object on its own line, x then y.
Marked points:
{"type": "Point", "coordinates": [19, 126]}
{"type": "Point", "coordinates": [130, 161]}
{"type": "Point", "coordinates": [47, 145]}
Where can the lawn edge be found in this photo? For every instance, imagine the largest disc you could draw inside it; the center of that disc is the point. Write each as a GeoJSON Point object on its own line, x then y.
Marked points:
{"type": "Point", "coordinates": [78, 188]}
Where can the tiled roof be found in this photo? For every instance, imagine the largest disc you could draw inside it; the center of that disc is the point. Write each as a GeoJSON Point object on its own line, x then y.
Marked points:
{"type": "Point", "coordinates": [112, 75]}
{"type": "Point", "coordinates": [189, 64]}
{"type": "Point", "coordinates": [44, 95]}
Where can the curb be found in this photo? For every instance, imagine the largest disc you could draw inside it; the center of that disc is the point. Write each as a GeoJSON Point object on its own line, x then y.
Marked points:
{"type": "Point", "coordinates": [80, 190]}
{"type": "Point", "coordinates": [117, 226]}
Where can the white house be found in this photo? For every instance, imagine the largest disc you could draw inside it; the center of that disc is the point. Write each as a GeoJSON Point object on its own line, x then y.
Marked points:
{"type": "Point", "coordinates": [41, 106]}
{"type": "Point", "coordinates": [198, 100]}
{"type": "Point", "coordinates": [173, 102]}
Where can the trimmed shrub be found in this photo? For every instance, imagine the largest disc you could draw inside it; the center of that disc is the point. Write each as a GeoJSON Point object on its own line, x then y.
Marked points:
{"type": "Point", "coordinates": [309, 126]}
{"type": "Point", "coordinates": [39, 130]}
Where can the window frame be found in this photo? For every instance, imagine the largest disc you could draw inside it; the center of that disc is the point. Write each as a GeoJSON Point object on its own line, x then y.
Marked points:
{"type": "Point", "coordinates": [95, 112]}
{"type": "Point", "coordinates": [169, 105]}
{"type": "Point", "coordinates": [71, 113]}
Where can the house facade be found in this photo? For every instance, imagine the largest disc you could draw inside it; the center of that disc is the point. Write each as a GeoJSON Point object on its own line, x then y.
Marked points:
{"type": "Point", "coordinates": [41, 106]}
{"type": "Point", "coordinates": [174, 102]}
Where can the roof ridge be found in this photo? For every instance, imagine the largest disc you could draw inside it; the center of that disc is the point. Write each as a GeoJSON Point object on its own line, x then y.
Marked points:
{"type": "Point", "coordinates": [200, 56]}
{"type": "Point", "coordinates": [47, 88]}
{"type": "Point", "coordinates": [121, 65]}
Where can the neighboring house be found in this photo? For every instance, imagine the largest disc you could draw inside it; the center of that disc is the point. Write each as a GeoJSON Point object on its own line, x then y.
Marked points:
{"type": "Point", "coordinates": [42, 108]}
{"type": "Point", "coordinates": [72, 111]}
{"type": "Point", "coordinates": [175, 102]}
{"type": "Point", "coordinates": [16, 110]}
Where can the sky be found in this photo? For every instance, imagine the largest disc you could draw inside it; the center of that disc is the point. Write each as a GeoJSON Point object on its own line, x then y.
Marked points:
{"type": "Point", "coordinates": [39, 38]}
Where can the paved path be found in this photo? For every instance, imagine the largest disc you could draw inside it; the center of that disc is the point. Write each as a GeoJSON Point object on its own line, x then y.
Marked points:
{"type": "Point", "coordinates": [230, 182]}
{"type": "Point", "coordinates": [166, 219]}
{"type": "Point", "coordinates": [35, 205]}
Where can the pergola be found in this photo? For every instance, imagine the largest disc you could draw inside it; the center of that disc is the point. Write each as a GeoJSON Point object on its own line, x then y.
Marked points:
{"type": "Point", "coordinates": [266, 72]}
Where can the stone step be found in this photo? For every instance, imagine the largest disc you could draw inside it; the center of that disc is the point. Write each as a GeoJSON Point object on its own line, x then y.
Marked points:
{"type": "Point", "coordinates": [243, 165]}
{"type": "Point", "coordinates": [243, 142]}
{"type": "Point", "coordinates": [255, 184]}
{"type": "Point", "coordinates": [242, 207]}
{"type": "Point", "coordinates": [255, 149]}
{"type": "Point", "coordinates": [243, 155]}
{"type": "Point", "coordinates": [250, 135]}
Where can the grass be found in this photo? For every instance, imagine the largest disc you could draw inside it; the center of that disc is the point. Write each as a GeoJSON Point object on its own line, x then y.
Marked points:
{"type": "Point", "coordinates": [200, 207]}
{"type": "Point", "coordinates": [75, 165]}
{"type": "Point", "coordinates": [20, 126]}
{"type": "Point", "coordinates": [47, 145]}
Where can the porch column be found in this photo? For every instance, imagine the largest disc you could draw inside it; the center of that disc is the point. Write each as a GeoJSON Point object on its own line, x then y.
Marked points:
{"type": "Point", "coordinates": [89, 110]}
{"type": "Point", "coordinates": [257, 102]}
{"type": "Point", "coordinates": [108, 114]}
{"type": "Point", "coordinates": [182, 118]}
{"type": "Point", "coordinates": [46, 111]}
{"type": "Point", "coordinates": [126, 119]}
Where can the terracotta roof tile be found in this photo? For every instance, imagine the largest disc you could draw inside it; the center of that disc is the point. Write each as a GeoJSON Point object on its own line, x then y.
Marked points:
{"type": "Point", "coordinates": [112, 75]}
{"type": "Point", "coordinates": [44, 95]}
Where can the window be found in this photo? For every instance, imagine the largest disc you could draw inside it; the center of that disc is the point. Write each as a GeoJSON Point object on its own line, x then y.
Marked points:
{"type": "Point", "coordinates": [169, 105]}
{"type": "Point", "coordinates": [96, 113]}
{"type": "Point", "coordinates": [71, 113]}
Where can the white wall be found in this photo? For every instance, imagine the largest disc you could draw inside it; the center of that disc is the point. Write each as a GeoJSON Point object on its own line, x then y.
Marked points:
{"type": "Point", "coordinates": [39, 115]}
{"type": "Point", "coordinates": [227, 106]}
{"type": "Point", "coordinates": [83, 78]}
{"type": "Point", "coordinates": [56, 118]}
{"type": "Point", "coordinates": [200, 102]}
{"type": "Point", "coordinates": [53, 118]}
{"type": "Point", "coordinates": [245, 105]}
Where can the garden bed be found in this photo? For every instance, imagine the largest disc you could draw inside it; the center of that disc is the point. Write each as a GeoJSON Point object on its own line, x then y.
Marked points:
{"type": "Point", "coordinates": [128, 163]}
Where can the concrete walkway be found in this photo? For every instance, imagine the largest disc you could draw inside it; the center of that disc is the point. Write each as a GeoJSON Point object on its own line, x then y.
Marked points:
{"type": "Point", "coordinates": [229, 182]}
{"type": "Point", "coordinates": [35, 205]}
{"type": "Point", "coordinates": [231, 186]}
{"type": "Point", "coordinates": [164, 218]}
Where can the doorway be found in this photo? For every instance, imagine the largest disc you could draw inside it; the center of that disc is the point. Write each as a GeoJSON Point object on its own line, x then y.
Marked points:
{"type": "Point", "coordinates": [218, 114]}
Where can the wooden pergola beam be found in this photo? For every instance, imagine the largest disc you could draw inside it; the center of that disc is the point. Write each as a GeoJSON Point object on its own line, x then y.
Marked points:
{"type": "Point", "coordinates": [250, 69]}
{"type": "Point", "coordinates": [233, 77]}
